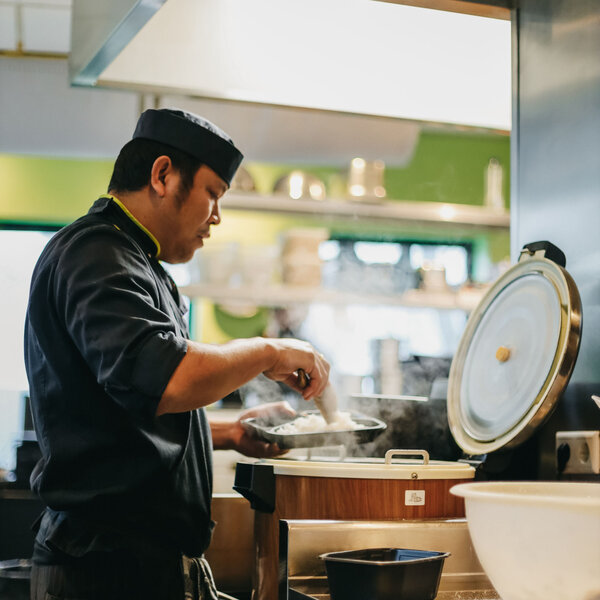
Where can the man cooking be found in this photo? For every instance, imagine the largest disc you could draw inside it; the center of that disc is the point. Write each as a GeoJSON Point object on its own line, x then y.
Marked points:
{"type": "Point", "coordinates": [117, 388]}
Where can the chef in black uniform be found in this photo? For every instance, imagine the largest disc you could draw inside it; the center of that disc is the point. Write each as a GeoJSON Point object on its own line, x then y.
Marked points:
{"type": "Point", "coordinates": [118, 389]}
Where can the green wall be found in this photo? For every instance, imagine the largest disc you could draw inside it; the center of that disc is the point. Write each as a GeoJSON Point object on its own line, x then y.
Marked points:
{"type": "Point", "coordinates": [445, 168]}
{"type": "Point", "coordinates": [450, 168]}
{"type": "Point", "coordinates": [50, 190]}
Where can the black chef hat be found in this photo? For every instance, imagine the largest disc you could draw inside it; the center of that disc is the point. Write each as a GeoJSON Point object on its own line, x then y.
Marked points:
{"type": "Point", "coordinates": [194, 135]}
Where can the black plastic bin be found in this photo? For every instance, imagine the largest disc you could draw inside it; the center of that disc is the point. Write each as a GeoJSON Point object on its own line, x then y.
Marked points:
{"type": "Point", "coordinates": [15, 577]}
{"type": "Point", "coordinates": [384, 574]}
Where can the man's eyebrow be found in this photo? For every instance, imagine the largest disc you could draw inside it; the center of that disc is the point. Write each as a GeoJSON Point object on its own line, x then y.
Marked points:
{"type": "Point", "coordinates": [216, 189]}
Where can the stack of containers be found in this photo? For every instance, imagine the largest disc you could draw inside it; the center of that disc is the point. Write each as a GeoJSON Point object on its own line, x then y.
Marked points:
{"type": "Point", "coordinates": [301, 264]}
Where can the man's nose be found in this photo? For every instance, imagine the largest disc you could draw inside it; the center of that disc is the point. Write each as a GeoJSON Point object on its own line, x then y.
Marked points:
{"type": "Point", "coordinates": [215, 217]}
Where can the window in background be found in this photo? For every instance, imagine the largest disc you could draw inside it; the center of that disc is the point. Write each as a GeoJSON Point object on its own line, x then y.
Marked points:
{"type": "Point", "coordinates": [181, 273]}
{"type": "Point", "coordinates": [353, 336]}
{"type": "Point", "coordinates": [20, 247]}
{"type": "Point", "coordinates": [384, 267]}
{"type": "Point", "coordinates": [455, 260]}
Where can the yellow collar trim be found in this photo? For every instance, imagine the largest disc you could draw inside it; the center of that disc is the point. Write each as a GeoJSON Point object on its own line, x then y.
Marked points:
{"type": "Point", "coordinates": [126, 211]}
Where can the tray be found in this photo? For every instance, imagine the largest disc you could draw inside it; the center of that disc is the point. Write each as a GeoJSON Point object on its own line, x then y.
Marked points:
{"type": "Point", "coordinates": [384, 573]}
{"type": "Point", "coordinates": [261, 428]}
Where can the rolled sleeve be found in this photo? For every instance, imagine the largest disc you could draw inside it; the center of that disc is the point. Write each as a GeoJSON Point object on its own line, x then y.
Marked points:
{"type": "Point", "coordinates": [119, 316]}
{"type": "Point", "coordinates": [158, 358]}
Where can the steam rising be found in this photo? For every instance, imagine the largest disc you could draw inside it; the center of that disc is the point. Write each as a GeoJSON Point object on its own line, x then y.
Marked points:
{"type": "Point", "coordinates": [410, 424]}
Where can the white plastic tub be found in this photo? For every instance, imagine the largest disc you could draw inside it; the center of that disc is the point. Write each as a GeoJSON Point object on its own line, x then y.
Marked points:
{"type": "Point", "coordinates": [536, 540]}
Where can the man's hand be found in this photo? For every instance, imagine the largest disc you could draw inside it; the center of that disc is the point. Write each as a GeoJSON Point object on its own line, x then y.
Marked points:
{"type": "Point", "coordinates": [208, 372]}
{"type": "Point", "coordinates": [232, 435]}
{"type": "Point", "coordinates": [295, 354]}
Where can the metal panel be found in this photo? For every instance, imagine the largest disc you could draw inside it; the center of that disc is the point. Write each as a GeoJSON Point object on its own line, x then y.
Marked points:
{"type": "Point", "coordinates": [46, 28]}
{"type": "Point", "coordinates": [231, 552]}
{"type": "Point", "coordinates": [302, 541]}
{"type": "Point", "coordinates": [100, 30]}
{"type": "Point", "coordinates": [556, 167]}
{"type": "Point", "coordinates": [8, 27]}
{"type": "Point", "coordinates": [458, 71]}
{"type": "Point", "coordinates": [494, 9]}
{"type": "Point", "coordinates": [41, 115]}
{"type": "Point", "coordinates": [18, 510]}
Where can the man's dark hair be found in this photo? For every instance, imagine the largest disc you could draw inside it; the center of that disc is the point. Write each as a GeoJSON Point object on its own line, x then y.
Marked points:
{"type": "Point", "coordinates": [134, 164]}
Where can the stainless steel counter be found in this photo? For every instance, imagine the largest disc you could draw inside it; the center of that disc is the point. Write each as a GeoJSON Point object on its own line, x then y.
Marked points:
{"type": "Point", "coordinates": [302, 573]}
{"type": "Point", "coordinates": [479, 595]}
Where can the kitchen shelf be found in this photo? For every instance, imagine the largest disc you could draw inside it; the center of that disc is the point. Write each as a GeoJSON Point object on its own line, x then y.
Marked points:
{"type": "Point", "coordinates": [437, 213]}
{"type": "Point", "coordinates": [285, 295]}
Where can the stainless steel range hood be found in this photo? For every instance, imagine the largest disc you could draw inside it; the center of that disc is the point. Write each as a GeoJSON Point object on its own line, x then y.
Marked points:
{"type": "Point", "coordinates": [101, 30]}
{"type": "Point", "coordinates": [351, 61]}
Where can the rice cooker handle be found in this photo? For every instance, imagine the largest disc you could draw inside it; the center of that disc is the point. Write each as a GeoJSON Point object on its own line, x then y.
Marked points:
{"type": "Point", "coordinates": [550, 251]}
{"type": "Point", "coordinates": [391, 453]}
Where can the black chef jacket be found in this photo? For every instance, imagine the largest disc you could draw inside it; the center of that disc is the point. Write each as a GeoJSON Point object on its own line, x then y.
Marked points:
{"type": "Point", "coordinates": [105, 330]}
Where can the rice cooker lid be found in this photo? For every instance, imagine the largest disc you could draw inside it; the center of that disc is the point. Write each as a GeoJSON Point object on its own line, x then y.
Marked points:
{"type": "Point", "coordinates": [516, 354]}
{"type": "Point", "coordinates": [391, 467]}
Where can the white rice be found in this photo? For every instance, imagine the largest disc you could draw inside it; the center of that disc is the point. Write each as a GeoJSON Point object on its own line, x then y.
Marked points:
{"type": "Point", "coordinates": [314, 423]}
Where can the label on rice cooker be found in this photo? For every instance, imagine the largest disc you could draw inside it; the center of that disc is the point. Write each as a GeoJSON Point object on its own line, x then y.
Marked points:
{"type": "Point", "coordinates": [414, 498]}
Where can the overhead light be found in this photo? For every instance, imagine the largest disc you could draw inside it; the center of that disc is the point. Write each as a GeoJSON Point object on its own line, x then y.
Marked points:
{"type": "Point", "coordinates": [447, 212]}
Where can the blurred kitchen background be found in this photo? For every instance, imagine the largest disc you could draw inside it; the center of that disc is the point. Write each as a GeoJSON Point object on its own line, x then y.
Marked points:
{"type": "Point", "coordinates": [397, 160]}
{"type": "Point", "coordinates": [370, 236]}
{"type": "Point", "coordinates": [384, 144]}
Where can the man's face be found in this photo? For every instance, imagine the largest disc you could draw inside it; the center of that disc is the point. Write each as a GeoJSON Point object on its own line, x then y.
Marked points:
{"type": "Point", "coordinates": [191, 214]}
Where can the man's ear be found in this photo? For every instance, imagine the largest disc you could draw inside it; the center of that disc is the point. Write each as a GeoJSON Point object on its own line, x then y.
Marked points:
{"type": "Point", "coordinates": [161, 169]}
